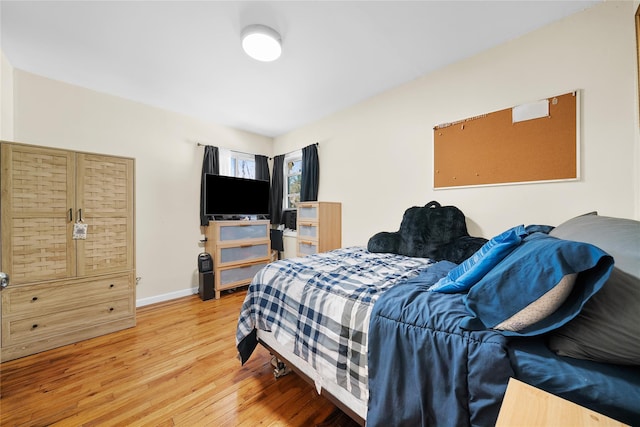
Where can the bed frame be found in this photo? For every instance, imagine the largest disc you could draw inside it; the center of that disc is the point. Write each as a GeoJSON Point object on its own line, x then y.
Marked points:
{"type": "Point", "coordinates": [282, 367]}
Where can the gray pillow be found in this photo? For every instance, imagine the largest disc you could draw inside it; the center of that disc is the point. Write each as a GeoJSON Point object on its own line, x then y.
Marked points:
{"type": "Point", "coordinates": [619, 237]}
{"type": "Point", "coordinates": [608, 327]}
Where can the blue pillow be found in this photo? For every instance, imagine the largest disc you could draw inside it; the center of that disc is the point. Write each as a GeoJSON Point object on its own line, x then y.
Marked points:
{"type": "Point", "coordinates": [432, 273]}
{"type": "Point", "coordinates": [465, 275]}
{"type": "Point", "coordinates": [537, 228]}
{"type": "Point", "coordinates": [527, 274]}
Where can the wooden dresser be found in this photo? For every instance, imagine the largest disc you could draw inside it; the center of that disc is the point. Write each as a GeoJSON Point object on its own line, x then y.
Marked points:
{"type": "Point", "coordinates": [319, 227]}
{"type": "Point", "coordinates": [239, 250]}
{"type": "Point", "coordinates": [62, 290]}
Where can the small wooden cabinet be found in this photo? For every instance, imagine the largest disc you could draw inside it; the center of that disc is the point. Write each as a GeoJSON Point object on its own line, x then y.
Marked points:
{"type": "Point", "coordinates": [524, 404]}
{"type": "Point", "coordinates": [239, 250]}
{"type": "Point", "coordinates": [319, 227]}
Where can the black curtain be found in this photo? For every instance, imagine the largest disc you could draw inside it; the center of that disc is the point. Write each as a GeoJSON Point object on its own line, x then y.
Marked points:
{"type": "Point", "coordinates": [310, 174]}
{"type": "Point", "coordinates": [210, 164]}
{"type": "Point", "coordinates": [277, 189]}
{"type": "Point", "coordinates": [262, 168]}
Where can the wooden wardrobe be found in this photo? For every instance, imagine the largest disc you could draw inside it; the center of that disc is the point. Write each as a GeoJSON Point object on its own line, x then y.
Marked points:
{"type": "Point", "coordinates": [63, 289]}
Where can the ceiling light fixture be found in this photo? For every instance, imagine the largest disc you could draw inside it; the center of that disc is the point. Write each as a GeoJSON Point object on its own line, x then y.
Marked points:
{"type": "Point", "coordinates": [261, 42]}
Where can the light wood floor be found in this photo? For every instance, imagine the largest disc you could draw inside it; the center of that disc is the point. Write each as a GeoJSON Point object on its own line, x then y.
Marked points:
{"type": "Point", "coordinates": [177, 367]}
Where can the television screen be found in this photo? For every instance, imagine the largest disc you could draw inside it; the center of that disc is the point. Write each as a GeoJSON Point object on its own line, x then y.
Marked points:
{"type": "Point", "coordinates": [229, 196]}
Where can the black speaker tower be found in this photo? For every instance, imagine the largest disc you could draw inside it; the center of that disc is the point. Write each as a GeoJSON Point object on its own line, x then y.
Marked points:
{"type": "Point", "coordinates": [205, 269]}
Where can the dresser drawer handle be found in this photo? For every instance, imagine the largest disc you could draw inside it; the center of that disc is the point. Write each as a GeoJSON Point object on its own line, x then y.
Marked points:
{"type": "Point", "coordinates": [34, 326]}
{"type": "Point", "coordinates": [111, 309]}
{"type": "Point", "coordinates": [111, 285]}
{"type": "Point", "coordinates": [34, 299]}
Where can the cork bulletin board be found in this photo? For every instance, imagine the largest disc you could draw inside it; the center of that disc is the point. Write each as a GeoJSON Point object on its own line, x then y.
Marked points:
{"type": "Point", "coordinates": [498, 148]}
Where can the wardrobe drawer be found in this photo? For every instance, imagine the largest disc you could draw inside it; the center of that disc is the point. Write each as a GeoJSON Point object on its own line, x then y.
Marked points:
{"type": "Point", "coordinates": [25, 329]}
{"type": "Point", "coordinates": [243, 253]}
{"type": "Point", "coordinates": [231, 276]}
{"type": "Point", "coordinates": [55, 296]}
{"type": "Point", "coordinates": [235, 231]}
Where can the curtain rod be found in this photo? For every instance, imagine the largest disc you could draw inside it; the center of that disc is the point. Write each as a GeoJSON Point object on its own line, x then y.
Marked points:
{"type": "Point", "coordinates": [315, 143]}
{"type": "Point", "coordinates": [252, 154]}
{"type": "Point", "coordinates": [235, 151]}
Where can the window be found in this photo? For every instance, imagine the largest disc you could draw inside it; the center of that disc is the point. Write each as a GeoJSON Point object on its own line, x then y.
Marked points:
{"type": "Point", "coordinates": [243, 165]}
{"type": "Point", "coordinates": [235, 163]}
{"type": "Point", "coordinates": [292, 179]}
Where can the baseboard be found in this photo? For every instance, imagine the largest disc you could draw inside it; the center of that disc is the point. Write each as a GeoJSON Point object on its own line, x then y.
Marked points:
{"type": "Point", "coordinates": [166, 297]}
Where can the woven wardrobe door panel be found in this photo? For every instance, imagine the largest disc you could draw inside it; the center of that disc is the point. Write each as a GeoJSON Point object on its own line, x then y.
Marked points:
{"type": "Point", "coordinates": [105, 202]}
{"type": "Point", "coordinates": [38, 192]}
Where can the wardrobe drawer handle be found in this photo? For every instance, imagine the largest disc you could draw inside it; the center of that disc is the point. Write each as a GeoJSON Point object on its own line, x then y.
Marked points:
{"type": "Point", "coordinates": [34, 299]}
{"type": "Point", "coordinates": [111, 285]}
{"type": "Point", "coordinates": [34, 326]}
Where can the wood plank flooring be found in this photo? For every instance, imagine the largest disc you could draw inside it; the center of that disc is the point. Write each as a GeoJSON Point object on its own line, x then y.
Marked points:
{"type": "Point", "coordinates": [177, 367]}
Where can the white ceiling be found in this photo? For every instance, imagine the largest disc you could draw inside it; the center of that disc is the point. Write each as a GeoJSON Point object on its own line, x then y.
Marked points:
{"type": "Point", "coordinates": [185, 56]}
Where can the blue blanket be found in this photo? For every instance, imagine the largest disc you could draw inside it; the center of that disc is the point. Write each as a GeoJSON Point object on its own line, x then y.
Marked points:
{"type": "Point", "coordinates": [432, 373]}
{"type": "Point", "coordinates": [612, 390]}
{"type": "Point", "coordinates": [432, 364]}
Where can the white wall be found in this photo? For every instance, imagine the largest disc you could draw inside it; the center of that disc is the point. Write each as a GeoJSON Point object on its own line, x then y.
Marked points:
{"type": "Point", "coordinates": [636, 155]}
{"type": "Point", "coordinates": [168, 167]}
{"type": "Point", "coordinates": [376, 157]}
{"type": "Point", "coordinates": [6, 98]}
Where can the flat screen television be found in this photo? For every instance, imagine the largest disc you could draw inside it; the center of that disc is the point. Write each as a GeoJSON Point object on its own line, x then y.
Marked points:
{"type": "Point", "coordinates": [228, 197]}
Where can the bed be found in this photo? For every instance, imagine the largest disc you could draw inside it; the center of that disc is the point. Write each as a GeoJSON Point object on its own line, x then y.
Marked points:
{"type": "Point", "coordinates": [406, 341]}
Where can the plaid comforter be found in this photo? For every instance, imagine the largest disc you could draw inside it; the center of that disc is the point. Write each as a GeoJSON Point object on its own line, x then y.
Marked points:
{"type": "Point", "coordinates": [320, 306]}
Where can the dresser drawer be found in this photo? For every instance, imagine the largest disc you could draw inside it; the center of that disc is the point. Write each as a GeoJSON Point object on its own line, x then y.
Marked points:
{"type": "Point", "coordinates": [308, 211]}
{"type": "Point", "coordinates": [308, 230]}
{"type": "Point", "coordinates": [39, 326]}
{"type": "Point", "coordinates": [307, 247]}
{"type": "Point", "coordinates": [56, 296]}
{"type": "Point", "coordinates": [235, 231]}
{"type": "Point", "coordinates": [232, 276]}
{"type": "Point", "coordinates": [243, 253]}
